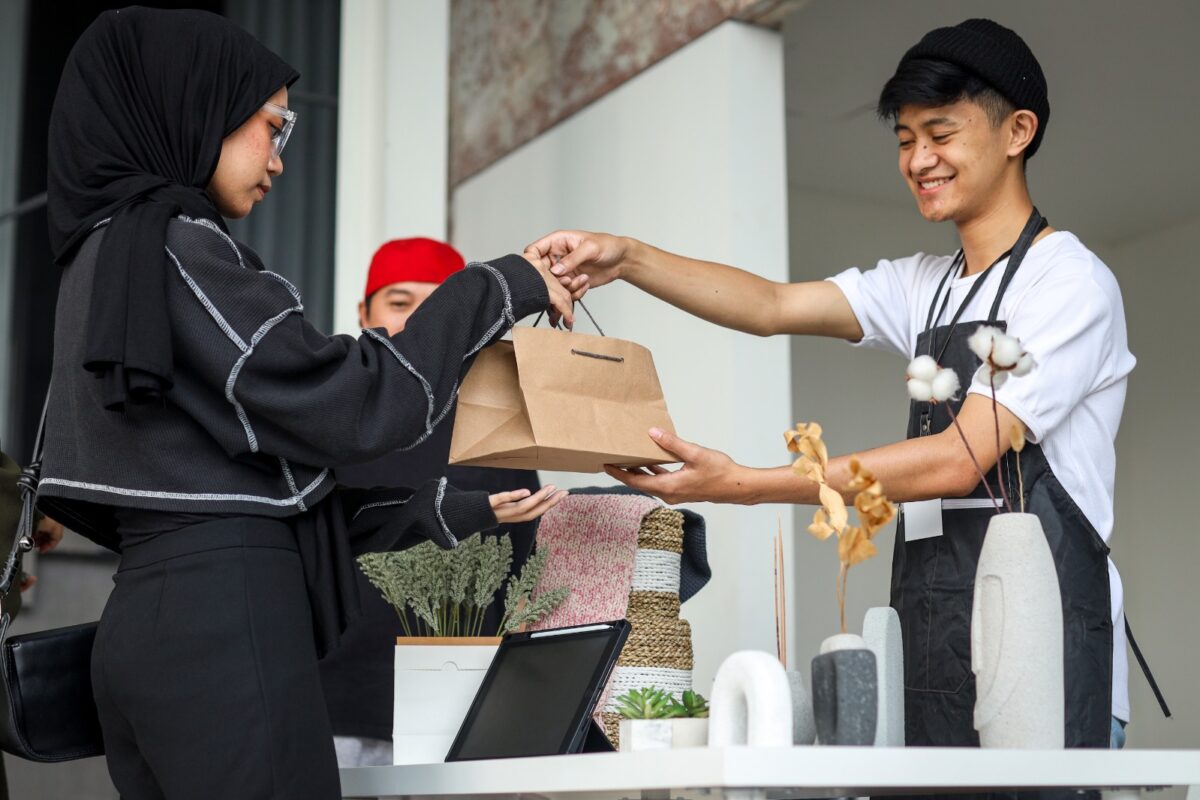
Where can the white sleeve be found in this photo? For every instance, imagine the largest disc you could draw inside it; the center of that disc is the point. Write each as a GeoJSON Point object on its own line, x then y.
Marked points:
{"type": "Point", "coordinates": [881, 299]}
{"type": "Point", "coordinates": [1066, 322]}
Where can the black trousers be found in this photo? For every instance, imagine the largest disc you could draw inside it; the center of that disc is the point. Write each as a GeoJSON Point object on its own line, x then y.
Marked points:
{"type": "Point", "coordinates": [205, 671]}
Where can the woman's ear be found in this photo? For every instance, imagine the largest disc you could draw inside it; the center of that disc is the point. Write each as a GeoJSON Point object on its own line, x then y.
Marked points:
{"type": "Point", "coordinates": [1022, 127]}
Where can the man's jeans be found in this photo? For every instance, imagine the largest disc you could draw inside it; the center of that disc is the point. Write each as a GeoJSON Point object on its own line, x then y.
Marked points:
{"type": "Point", "coordinates": [1117, 739]}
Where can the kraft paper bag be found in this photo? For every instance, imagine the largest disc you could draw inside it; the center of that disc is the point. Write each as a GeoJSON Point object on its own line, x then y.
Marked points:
{"type": "Point", "coordinates": [560, 401]}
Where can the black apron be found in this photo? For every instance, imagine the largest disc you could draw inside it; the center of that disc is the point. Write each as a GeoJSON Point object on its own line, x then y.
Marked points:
{"type": "Point", "coordinates": [933, 580]}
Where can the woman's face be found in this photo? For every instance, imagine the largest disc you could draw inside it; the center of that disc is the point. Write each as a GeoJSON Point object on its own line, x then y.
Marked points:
{"type": "Point", "coordinates": [248, 162]}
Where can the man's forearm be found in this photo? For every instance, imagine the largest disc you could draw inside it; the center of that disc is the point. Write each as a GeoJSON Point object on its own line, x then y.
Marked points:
{"type": "Point", "coordinates": [914, 469]}
{"type": "Point", "coordinates": [724, 295]}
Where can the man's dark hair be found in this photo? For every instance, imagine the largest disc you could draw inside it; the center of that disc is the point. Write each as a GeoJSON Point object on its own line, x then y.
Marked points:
{"type": "Point", "coordinates": [929, 83]}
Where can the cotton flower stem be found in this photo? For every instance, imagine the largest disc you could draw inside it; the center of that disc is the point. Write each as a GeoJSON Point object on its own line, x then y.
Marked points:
{"type": "Point", "coordinates": [971, 453]}
{"type": "Point", "coordinates": [1020, 483]}
{"type": "Point", "coordinates": [999, 471]}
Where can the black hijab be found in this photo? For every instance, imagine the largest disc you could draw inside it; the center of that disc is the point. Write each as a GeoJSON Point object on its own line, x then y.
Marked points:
{"type": "Point", "coordinates": [146, 98]}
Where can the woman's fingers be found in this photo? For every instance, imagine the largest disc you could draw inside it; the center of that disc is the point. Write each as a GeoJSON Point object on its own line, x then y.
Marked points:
{"type": "Point", "coordinates": [530, 507]}
{"type": "Point", "coordinates": [501, 498]}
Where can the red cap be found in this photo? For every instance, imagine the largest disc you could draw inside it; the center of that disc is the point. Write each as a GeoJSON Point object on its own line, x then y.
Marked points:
{"type": "Point", "coordinates": [419, 259]}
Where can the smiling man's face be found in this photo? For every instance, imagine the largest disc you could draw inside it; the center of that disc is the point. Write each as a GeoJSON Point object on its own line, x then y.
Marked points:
{"type": "Point", "coordinates": [952, 157]}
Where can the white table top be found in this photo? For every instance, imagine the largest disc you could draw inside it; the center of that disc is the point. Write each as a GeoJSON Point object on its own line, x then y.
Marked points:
{"type": "Point", "coordinates": [768, 774]}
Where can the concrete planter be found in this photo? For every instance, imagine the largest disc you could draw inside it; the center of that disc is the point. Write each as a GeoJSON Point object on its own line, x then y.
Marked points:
{"type": "Point", "coordinates": [845, 692]}
{"type": "Point", "coordinates": [663, 734]}
{"type": "Point", "coordinates": [436, 681]}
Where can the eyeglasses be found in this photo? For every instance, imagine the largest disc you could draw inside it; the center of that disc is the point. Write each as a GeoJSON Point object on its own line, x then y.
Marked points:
{"type": "Point", "coordinates": [280, 136]}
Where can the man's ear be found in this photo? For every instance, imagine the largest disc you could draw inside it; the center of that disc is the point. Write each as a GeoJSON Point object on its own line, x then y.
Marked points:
{"type": "Point", "coordinates": [1022, 127]}
{"type": "Point", "coordinates": [362, 314]}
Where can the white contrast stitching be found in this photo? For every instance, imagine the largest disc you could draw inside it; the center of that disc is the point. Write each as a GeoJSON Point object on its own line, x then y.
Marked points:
{"type": "Point", "coordinates": [376, 335]}
{"type": "Point", "coordinates": [437, 507]}
{"type": "Point", "coordinates": [207, 496]}
{"type": "Point", "coordinates": [381, 504]}
{"type": "Point", "coordinates": [204, 301]}
{"type": "Point", "coordinates": [291, 482]}
{"type": "Point", "coordinates": [212, 226]}
{"type": "Point", "coordinates": [231, 381]}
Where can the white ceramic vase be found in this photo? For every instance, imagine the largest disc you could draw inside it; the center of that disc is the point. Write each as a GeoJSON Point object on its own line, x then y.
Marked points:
{"type": "Point", "coordinates": [1017, 638]}
{"type": "Point", "coordinates": [437, 678]}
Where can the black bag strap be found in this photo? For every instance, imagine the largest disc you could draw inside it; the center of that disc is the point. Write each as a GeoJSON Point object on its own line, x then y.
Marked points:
{"type": "Point", "coordinates": [585, 310]}
{"type": "Point", "coordinates": [27, 484]}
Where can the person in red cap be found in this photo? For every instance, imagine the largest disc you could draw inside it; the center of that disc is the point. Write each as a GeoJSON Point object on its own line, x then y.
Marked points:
{"type": "Point", "coordinates": [358, 675]}
{"type": "Point", "coordinates": [403, 273]}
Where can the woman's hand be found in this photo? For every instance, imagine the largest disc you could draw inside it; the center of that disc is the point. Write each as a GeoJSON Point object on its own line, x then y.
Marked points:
{"type": "Point", "coordinates": [522, 505]}
{"type": "Point", "coordinates": [562, 299]}
{"type": "Point", "coordinates": [588, 259]}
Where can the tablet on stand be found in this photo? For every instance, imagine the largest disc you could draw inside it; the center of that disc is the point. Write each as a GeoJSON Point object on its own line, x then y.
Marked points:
{"type": "Point", "coordinates": [539, 694]}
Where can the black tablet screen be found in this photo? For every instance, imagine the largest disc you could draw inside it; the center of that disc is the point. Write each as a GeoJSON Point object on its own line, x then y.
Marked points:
{"type": "Point", "coordinates": [531, 705]}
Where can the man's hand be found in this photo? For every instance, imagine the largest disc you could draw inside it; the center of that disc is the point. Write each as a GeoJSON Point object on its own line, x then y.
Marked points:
{"type": "Point", "coordinates": [588, 259]}
{"type": "Point", "coordinates": [522, 505]}
{"type": "Point", "coordinates": [706, 475]}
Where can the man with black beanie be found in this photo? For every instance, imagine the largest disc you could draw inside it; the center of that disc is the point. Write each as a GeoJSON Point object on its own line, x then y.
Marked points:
{"type": "Point", "coordinates": [969, 106]}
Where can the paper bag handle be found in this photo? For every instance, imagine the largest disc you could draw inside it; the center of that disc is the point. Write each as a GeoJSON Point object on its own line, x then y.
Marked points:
{"type": "Point", "coordinates": [601, 356]}
{"type": "Point", "coordinates": [585, 310]}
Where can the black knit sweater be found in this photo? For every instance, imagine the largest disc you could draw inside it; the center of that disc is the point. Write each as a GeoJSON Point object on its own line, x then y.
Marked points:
{"type": "Point", "coordinates": [264, 405]}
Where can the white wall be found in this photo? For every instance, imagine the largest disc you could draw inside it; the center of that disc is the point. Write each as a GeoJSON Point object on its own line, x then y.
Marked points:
{"type": "Point", "coordinates": [689, 156]}
{"type": "Point", "coordinates": [393, 135]}
{"type": "Point", "coordinates": [856, 394]}
{"type": "Point", "coordinates": [1155, 543]}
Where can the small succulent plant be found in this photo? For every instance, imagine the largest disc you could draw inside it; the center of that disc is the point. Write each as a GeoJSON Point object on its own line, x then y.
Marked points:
{"type": "Point", "coordinates": [690, 704]}
{"type": "Point", "coordinates": [645, 703]}
{"type": "Point", "coordinates": [650, 702]}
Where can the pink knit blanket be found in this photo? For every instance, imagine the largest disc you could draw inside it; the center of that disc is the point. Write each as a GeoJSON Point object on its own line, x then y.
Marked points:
{"type": "Point", "coordinates": [592, 539]}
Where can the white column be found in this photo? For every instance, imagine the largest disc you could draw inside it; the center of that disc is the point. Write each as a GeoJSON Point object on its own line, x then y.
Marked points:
{"type": "Point", "coordinates": [393, 132]}
{"type": "Point", "coordinates": [689, 156]}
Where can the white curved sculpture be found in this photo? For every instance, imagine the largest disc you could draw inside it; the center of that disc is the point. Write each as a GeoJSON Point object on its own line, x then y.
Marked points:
{"type": "Point", "coordinates": [1017, 638]}
{"type": "Point", "coordinates": [751, 702]}
{"type": "Point", "coordinates": [881, 631]}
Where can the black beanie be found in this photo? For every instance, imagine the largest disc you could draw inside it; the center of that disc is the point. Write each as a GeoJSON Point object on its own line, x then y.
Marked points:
{"type": "Point", "coordinates": [997, 55]}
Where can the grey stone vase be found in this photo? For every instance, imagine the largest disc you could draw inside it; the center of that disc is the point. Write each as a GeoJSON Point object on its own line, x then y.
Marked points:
{"type": "Point", "coordinates": [845, 692]}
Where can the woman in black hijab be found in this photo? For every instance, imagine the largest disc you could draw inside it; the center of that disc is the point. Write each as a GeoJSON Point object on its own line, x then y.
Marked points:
{"type": "Point", "coordinates": [194, 416]}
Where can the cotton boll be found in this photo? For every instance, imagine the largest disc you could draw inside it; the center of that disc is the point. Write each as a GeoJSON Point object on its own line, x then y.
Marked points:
{"type": "Point", "coordinates": [980, 341]}
{"type": "Point", "coordinates": [945, 385]}
{"type": "Point", "coordinates": [919, 390]}
{"type": "Point", "coordinates": [923, 368]}
{"type": "Point", "coordinates": [1006, 351]}
{"type": "Point", "coordinates": [1024, 365]}
{"type": "Point", "coordinates": [986, 378]}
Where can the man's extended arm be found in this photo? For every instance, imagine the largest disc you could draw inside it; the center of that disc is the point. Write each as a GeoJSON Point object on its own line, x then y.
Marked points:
{"type": "Point", "coordinates": [727, 296]}
{"type": "Point", "coordinates": [914, 469]}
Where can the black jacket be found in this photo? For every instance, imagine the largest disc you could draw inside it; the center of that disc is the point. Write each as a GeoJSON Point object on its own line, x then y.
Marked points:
{"type": "Point", "coordinates": [263, 405]}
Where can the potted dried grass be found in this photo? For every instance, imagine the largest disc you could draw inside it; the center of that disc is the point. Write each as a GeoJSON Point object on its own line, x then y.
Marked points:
{"type": "Point", "coordinates": [442, 597]}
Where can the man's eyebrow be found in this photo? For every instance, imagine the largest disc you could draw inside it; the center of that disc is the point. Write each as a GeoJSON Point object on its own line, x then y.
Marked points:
{"type": "Point", "coordinates": [396, 290]}
{"type": "Point", "coordinates": [929, 123]}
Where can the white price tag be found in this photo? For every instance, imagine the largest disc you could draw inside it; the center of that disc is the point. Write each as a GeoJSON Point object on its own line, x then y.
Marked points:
{"type": "Point", "coordinates": [922, 520]}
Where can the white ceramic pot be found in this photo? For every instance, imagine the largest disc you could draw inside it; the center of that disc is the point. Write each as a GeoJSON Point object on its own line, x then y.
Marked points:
{"type": "Point", "coordinates": [663, 734]}
{"type": "Point", "coordinates": [436, 681]}
{"type": "Point", "coordinates": [1017, 638]}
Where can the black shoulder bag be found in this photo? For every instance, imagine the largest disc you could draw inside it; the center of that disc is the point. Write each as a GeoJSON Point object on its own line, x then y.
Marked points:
{"type": "Point", "coordinates": [47, 711]}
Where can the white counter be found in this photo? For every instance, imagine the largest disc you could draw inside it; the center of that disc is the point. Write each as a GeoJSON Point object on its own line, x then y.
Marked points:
{"type": "Point", "coordinates": [768, 774]}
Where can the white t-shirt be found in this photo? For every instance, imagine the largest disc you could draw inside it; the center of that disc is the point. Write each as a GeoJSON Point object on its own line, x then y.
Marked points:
{"type": "Point", "coordinates": [1065, 307]}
